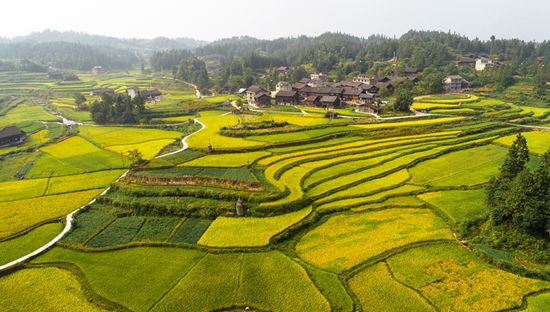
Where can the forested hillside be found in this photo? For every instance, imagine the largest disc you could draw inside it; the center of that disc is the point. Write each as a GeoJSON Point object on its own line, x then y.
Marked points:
{"type": "Point", "coordinates": [66, 55]}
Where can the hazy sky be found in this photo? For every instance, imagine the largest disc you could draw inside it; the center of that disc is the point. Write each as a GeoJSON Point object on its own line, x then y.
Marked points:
{"type": "Point", "coordinates": [210, 20]}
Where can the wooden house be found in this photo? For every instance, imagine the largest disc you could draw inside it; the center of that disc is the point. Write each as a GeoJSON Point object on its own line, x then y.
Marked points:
{"type": "Point", "coordinates": [330, 101]}
{"type": "Point", "coordinates": [287, 97]}
{"type": "Point", "coordinates": [11, 136]}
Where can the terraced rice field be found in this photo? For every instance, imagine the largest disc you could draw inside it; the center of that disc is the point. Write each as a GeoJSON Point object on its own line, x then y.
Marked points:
{"type": "Point", "coordinates": [252, 232]}
{"type": "Point", "coordinates": [453, 279]}
{"type": "Point", "coordinates": [344, 241]}
{"type": "Point", "coordinates": [340, 215]}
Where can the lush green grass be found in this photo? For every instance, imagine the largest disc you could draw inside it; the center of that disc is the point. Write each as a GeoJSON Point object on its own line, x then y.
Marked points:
{"type": "Point", "coordinates": [87, 224]}
{"type": "Point", "coordinates": [18, 247]}
{"type": "Point", "coordinates": [537, 141]}
{"type": "Point", "coordinates": [120, 232]}
{"type": "Point", "coordinates": [459, 206]}
{"type": "Point", "coordinates": [266, 281]}
{"type": "Point", "coordinates": [346, 240]}
{"type": "Point", "coordinates": [190, 231]}
{"type": "Point", "coordinates": [130, 277]}
{"type": "Point", "coordinates": [44, 289]}
{"type": "Point", "coordinates": [156, 229]}
{"type": "Point", "coordinates": [453, 279]}
{"type": "Point", "coordinates": [248, 232]}
{"type": "Point", "coordinates": [16, 216]}
{"type": "Point", "coordinates": [377, 290]}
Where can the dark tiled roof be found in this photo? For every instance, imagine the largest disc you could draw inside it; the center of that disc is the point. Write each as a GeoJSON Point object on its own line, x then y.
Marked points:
{"type": "Point", "coordinates": [299, 86]}
{"type": "Point", "coordinates": [367, 96]}
{"type": "Point", "coordinates": [10, 132]}
{"type": "Point", "coordinates": [261, 94]}
{"type": "Point", "coordinates": [317, 90]}
{"type": "Point", "coordinates": [329, 99]}
{"type": "Point", "coordinates": [312, 98]}
{"type": "Point", "coordinates": [150, 93]}
{"type": "Point", "coordinates": [352, 91]}
{"type": "Point", "coordinates": [255, 89]}
{"type": "Point", "coordinates": [286, 93]}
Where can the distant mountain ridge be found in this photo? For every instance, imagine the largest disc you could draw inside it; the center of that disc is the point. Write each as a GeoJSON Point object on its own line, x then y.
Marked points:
{"type": "Point", "coordinates": [136, 44]}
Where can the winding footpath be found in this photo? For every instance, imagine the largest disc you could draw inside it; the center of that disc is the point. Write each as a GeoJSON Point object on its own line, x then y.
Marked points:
{"type": "Point", "coordinates": [70, 217]}
{"type": "Point", "coordinates": [184, 140]}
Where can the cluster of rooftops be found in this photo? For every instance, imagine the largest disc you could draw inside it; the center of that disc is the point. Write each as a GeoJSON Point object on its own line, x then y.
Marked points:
{"type": "Point", "coordinates": [316, 91]}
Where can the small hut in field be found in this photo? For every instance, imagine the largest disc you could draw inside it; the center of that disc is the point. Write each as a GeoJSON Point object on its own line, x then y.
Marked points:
{"type": "Point", "coordinates": [239, 208]}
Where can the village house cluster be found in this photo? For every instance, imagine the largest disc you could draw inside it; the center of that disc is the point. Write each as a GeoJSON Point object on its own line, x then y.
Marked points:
{"type": "Point", "coordinates": [361, 92]}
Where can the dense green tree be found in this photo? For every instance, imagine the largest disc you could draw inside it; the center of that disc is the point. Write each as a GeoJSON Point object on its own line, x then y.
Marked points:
{"type": "Point", "coordinates": [403, 99]}
{"type": "Point", "coordinates": [117, 109]}
{"type": "Point", "coordinates": [518, 156]}
{"type": "Point", "coordinates": [518, 198]}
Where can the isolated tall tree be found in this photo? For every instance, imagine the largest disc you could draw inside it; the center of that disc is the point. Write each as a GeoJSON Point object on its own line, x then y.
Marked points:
{"type": "Point", "coordinates": [518, 156]}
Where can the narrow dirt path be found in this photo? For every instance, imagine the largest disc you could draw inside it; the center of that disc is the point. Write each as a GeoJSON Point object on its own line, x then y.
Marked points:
{"type": "Point", "coordinates": [70, 217]}
{"type": "Point", "coordinates": [184, 140]}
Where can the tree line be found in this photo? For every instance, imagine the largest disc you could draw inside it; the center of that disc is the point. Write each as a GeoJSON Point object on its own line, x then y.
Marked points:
{"type": "Point", "coordinates": [434, 54]}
